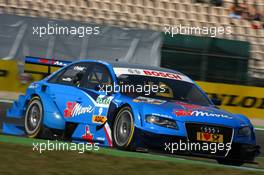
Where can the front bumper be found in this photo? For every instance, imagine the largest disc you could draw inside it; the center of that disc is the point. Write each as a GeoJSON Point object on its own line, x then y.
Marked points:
{"type": "Point", "coordinates": [244, 152]}
{"type": "Point", "coordinates": [160, 143]}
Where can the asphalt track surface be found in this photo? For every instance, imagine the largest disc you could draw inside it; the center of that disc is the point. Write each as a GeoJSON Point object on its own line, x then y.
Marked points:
{"type": "Point", "coordinates": [4, 106]}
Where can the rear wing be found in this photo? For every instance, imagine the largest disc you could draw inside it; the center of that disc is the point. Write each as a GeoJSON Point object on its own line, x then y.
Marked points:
{"type": "Point", "coordinates": [43, 66]}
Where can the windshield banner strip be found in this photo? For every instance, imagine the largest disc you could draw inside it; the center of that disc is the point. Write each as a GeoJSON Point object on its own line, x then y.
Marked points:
{"type": "Point", "coordinates": [153, 73]}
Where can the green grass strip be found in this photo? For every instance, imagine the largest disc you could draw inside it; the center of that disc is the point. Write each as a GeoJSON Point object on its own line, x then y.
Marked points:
{"type": "Point", "coordinates": [256, 126]}
{"type": "Point", "coordinates": [119, 153]}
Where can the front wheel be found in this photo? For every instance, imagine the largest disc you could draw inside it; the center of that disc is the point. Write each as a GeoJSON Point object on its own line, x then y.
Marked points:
{"type": "Point", "coordinates": [123, 128]}
{"type": "Point", "coordinates": [34, 118]}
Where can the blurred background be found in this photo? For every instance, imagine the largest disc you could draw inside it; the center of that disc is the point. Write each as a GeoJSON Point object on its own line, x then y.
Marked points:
{"type": "Point", "coordinates": [218, 43]}
{"type": "Point", "coordinates": [229, 66]}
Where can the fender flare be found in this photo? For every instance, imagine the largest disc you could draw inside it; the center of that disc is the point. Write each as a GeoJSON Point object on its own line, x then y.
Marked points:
{"type": "Point", "coordinates": [52, 116]}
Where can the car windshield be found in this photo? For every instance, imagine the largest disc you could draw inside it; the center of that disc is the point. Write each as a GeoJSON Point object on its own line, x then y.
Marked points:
{"type": "Point", "coordinates": [161, 88]}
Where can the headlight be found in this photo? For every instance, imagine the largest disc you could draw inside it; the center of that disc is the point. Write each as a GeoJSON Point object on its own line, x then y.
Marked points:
{"type": "Point", "coordinates": [244, 131]}
{"type": "Point", "coordinates": [161, 121]}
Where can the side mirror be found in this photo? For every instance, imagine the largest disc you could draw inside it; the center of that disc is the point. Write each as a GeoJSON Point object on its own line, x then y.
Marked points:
{"type": "Point", "coordinates": [217, 101]}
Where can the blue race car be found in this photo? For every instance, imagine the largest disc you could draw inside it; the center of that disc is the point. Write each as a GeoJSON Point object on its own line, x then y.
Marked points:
{"type": "Point", "coordinates": [131, 107]}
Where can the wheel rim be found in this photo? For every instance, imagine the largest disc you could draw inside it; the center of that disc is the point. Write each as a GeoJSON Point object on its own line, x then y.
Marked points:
{"type": "Point", "coordinates": [123, 128]}
{"type": "Point", "coordinates": [33, 118]}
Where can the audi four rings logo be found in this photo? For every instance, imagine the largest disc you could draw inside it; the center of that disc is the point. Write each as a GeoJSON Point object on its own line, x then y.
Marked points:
{"type": "Point", "coordinates": [211, 130]}
{"type": "Point", "coordinates": [134, 71]}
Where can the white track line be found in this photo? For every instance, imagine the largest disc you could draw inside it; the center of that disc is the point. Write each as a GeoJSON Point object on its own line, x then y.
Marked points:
{"type": "Point", "coordinates": [259, 129]}
{"type": "Point", "coordinates": [6, 101]}
{"type": "Point", "coordinates": [246, 168]}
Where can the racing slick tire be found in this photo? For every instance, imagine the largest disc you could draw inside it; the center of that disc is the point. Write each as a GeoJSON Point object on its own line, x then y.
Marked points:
{"type": "Point", "coordinates": [34, 119]}
{"type": "Point", "coordinates": [123, 129]}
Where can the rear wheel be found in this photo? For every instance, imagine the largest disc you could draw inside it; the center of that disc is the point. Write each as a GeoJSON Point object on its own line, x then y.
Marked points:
{"type": "Point", "coordinates": [34, 118]}
{"type": "Point", "coordinates": [123, 128]}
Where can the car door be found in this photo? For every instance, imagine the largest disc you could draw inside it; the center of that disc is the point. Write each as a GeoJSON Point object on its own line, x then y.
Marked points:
{"type": "Point", "coordinates": [96, 81]}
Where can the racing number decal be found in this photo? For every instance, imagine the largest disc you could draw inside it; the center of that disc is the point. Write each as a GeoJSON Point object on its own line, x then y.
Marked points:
{"type": "Point", "coordinates": [101, 108]}
{"type": "Point", "coordinates": [100, 115]}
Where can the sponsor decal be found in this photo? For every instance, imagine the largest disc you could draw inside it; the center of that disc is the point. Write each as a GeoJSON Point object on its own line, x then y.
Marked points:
{"type": "Point", "coordinates": [100, 115]}
{"type": "Point", "coordinates": [79, 68]}
{"type": "Point", "coordinates": [209, 137]}
{"type": "Point", "coordinates": [45, 61]}
{"type": "Point", "coordinates": [148, 100]}
{"type": "Point", "coordinates": [134, 71]}
{"type": "Point", "coordinates": [154, 73]}
{"type": "Point", "coordinates": [196, 113]}
{"type": "Point", "coordinates": [87, 135]}
{"type": "Point", "coordinates": [58, 63]}
{"type": "Point", "coordinates": [103, 100]}
{"type": "Point", "coordinates": [99, 119]}
{"type": "Point", "coordinates": [74, 109]}
{"type": "Point", "coordinates": [209, 114]}
{"type": "Point", "coordinates": [190, 106]}
{"type": "Point", "coordinates": [162, 74]}
{"type": "Point", "coordinates": [183, 113]}
{"type": "Point", "coordinates": [52, 62]}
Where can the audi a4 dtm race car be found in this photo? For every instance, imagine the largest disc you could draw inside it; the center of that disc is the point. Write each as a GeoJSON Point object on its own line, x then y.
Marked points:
{"type": "Point", "coordinates": [130, 107]}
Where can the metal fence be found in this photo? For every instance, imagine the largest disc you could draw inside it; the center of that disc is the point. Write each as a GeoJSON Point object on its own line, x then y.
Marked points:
{"type": "Point", "coordinates": [18, 38]}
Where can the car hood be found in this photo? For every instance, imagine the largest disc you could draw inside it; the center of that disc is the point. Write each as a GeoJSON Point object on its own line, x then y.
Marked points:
{"type": "Point", "coordinates": [185, 112]}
